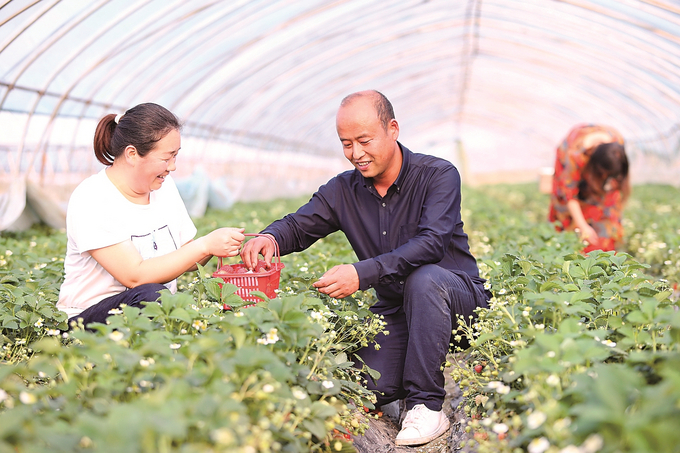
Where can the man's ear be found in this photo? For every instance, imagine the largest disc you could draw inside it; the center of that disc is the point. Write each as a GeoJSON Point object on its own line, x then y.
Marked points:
{"type": "Point", "coordinates": [393, 129]}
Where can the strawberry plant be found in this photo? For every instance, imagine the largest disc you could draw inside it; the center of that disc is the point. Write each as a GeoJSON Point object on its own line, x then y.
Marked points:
{"type": "Point", "coordinates": [575, 353]}
{"type": "Point", "coordinates": [581, 351]}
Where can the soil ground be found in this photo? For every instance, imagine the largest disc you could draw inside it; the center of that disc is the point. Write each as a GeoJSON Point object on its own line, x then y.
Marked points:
{"type": "Point", "coordinates": [379, 437]}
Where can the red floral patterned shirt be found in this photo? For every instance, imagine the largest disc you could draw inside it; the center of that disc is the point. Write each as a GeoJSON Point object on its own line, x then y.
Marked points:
{"type": "Point", "coordinates": [603, 213]}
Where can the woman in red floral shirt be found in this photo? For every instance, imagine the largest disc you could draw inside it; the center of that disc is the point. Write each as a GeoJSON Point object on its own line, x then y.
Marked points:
{"type": "Point", "coordinates": [591, 185]}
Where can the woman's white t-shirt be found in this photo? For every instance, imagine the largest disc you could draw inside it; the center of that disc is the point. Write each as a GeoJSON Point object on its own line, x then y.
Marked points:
{"type": "Point", "coordinates": [98, 215]}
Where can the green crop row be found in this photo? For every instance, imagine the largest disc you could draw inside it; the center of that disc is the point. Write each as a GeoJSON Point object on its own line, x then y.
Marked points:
{"type": "Point", "coordinates": [182, 374]}
{"type": "Point", "coordinates": [576, 354]}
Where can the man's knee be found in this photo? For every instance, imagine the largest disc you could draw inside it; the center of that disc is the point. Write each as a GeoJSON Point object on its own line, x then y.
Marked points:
{"type": "Point", "coordinates": [424, 278]}
{"type": "Point", "coordinates": [426, 287]}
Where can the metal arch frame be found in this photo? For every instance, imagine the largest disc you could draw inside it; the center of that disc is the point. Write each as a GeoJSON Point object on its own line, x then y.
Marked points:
{"type": "Point", "coordinates": [389, 69]}
{"type": "Point", "coordinates": [303, 105]}
{"type": "Point", "coordinates": [208, 108]}
{"type": "Point", "coordinates": [215, 98]}
{"type": "Point", "coordinates": [555, 65]}
{"type": "Point", "coordinates": [21, 31]}
{"type": "Point", "coordinates": [47, 130]}
{"type": "Point", "coordinates": [117, 69]}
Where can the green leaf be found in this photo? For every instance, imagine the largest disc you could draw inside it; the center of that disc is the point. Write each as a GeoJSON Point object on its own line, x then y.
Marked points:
{"type": "Point", "coordinates": [614, 322]}
{"type": "Point", "coordinates": [239, 335]}
{"type": "Point", "coordinates": [152, 309]}
{"type": "Point", "coordinates": [212, 287]}
{"type": "Point", "coordinates": [550, 284]}
{"type": "Point", "coordinates": [663, 295]}
{"type": "Point", "coordinates": [322, 410]}
{"type": "Point", "coordinates": [181, 314]}
{"type": "Point", "coordinates": [638, 317]}
{"type": "Point", "coordinates": [316, 427]}
{"type": "Point", "coordinates": [341, 358]}
{"type": "Point", "coordinates": [580, 295]}
{"type": "Point", "coordinates": [259, 294]}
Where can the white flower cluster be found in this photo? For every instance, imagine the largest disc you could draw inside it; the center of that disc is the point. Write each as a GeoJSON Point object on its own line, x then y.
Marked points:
{"type": "Point", "coordinates": [270, 338]}
{"type": "Point", "coordinates": [536, 419]}
{"type": "Point", "coordinates": [199, 325]}
{"type": "Point", "coordinates": [592, 444]}
{"type": "Point", "coordinates": [116, 335]}
{"type": "Point", "coordinates": [499, 387]}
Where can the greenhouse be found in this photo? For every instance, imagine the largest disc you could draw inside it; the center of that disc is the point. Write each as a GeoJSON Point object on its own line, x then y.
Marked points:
{"type": "Point", "coordinates": [579, 347]}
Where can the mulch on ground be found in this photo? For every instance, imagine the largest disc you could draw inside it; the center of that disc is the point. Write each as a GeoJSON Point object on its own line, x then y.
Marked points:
{"type": "Point", "coordinates": [379, 437]}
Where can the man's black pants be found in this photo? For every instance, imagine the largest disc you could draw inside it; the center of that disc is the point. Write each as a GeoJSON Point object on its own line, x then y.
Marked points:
{"type": "Point", "coordinates": [412, 354]}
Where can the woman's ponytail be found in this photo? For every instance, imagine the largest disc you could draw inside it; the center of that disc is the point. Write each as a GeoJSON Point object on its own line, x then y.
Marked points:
{"type": "Point", "coordinates": [102, 139]}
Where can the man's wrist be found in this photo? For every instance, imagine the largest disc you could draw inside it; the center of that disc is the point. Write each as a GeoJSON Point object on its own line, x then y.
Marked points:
{"type": "Point", "coordinates": [367, 271]}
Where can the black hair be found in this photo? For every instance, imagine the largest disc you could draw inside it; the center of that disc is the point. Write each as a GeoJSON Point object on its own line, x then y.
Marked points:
{"type": "Point", "coordinates": [608, 160]}
{"type": "Point", "coordinates": [141, 126]}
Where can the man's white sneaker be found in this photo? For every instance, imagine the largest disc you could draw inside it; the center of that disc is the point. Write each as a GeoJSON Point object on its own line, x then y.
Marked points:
{"type": "Point", "coordinates": [422, 425]}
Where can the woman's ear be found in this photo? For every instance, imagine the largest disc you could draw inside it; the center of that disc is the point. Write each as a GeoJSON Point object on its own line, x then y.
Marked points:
{"type": "Point", "coordinates": [130, 154]}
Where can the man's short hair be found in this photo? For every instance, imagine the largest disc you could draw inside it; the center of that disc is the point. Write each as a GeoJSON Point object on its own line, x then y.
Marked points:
{"type": "Point", "coordinates": [383, 106]}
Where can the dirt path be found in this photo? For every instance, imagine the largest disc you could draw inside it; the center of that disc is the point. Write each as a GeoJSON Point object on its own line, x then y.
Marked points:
{"type": "Point", "coordinates": [379, 438]}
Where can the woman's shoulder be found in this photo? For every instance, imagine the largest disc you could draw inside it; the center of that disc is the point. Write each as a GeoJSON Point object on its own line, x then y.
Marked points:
{"type": "Point", "coordinates": [91, 187]}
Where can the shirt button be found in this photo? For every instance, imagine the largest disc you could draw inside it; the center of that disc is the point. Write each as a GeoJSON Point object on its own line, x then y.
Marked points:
{"type": "Point", "coordinates": [401, 283]}
{"type": "Point", "coordinates": [384, 233]}
{"type": "Point", "coordinates": [384, 204]}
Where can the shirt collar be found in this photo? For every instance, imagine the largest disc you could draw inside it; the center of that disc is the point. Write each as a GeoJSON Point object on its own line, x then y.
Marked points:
{"type": "Point", "coordinates": [406, 158]}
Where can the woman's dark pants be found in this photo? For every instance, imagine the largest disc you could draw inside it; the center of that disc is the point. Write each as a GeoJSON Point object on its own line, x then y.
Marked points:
{"type": "Point", "coordinates": [133, 297]}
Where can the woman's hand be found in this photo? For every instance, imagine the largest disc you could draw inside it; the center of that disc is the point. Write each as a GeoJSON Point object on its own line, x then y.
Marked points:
{"type": "Point", "coordinates": [582, 227]}
{"type": "Point", "coordinates": [588, 234]}
{"type": "Point", "coordinates": [126, 265]}
{"type": "Point", "coordinates": [224, 241]}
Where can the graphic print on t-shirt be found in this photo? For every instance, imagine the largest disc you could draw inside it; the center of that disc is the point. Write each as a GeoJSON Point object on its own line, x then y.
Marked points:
{"type": "Point", "coordinates": [158, 242]}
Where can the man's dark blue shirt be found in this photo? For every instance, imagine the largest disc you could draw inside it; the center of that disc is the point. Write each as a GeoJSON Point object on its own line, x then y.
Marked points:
{"type": "Point", "coordinates": [417, 222]}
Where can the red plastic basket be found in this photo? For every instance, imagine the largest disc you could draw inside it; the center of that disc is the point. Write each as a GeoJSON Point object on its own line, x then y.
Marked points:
{"type": "Point", "coordinates": [259, 279]}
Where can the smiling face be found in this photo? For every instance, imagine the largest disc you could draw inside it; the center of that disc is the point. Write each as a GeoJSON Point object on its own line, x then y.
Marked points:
{"type": "Point", "coordinates": [152, 169]}
{"type": "Point", "coordinates": [372, 149]}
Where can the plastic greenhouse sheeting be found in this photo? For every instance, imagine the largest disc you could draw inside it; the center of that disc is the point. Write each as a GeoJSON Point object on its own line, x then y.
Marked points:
{"type": "Point", "coordinates": [492, 85]}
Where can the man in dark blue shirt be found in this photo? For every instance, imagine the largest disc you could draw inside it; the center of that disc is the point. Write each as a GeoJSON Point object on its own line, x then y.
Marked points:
{"type": "Point", "coordinates": [400, 212]}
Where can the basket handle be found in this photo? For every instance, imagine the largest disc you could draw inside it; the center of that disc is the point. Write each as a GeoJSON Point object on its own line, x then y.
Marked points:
{"type": "Point", "coordinates": [277, 252]}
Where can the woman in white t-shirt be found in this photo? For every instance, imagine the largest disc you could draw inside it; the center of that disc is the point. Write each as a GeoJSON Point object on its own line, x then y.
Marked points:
{"type": "Point", "coordinates": [129, 234]}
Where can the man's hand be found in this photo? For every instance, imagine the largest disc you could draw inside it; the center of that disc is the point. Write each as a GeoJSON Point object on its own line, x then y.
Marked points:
{"type": "Point", "coordinates": [340, 281]}
{"type": "Point", "coordinates": [258, 246]}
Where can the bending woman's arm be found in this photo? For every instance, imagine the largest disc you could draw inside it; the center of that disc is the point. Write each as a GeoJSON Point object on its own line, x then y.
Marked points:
{"type": "Point", "coordinates": [587, 232]}
{"type": "Point", "coordinates": [625, 189]}
{"type": "Point", "coordinates": [126, 265]}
